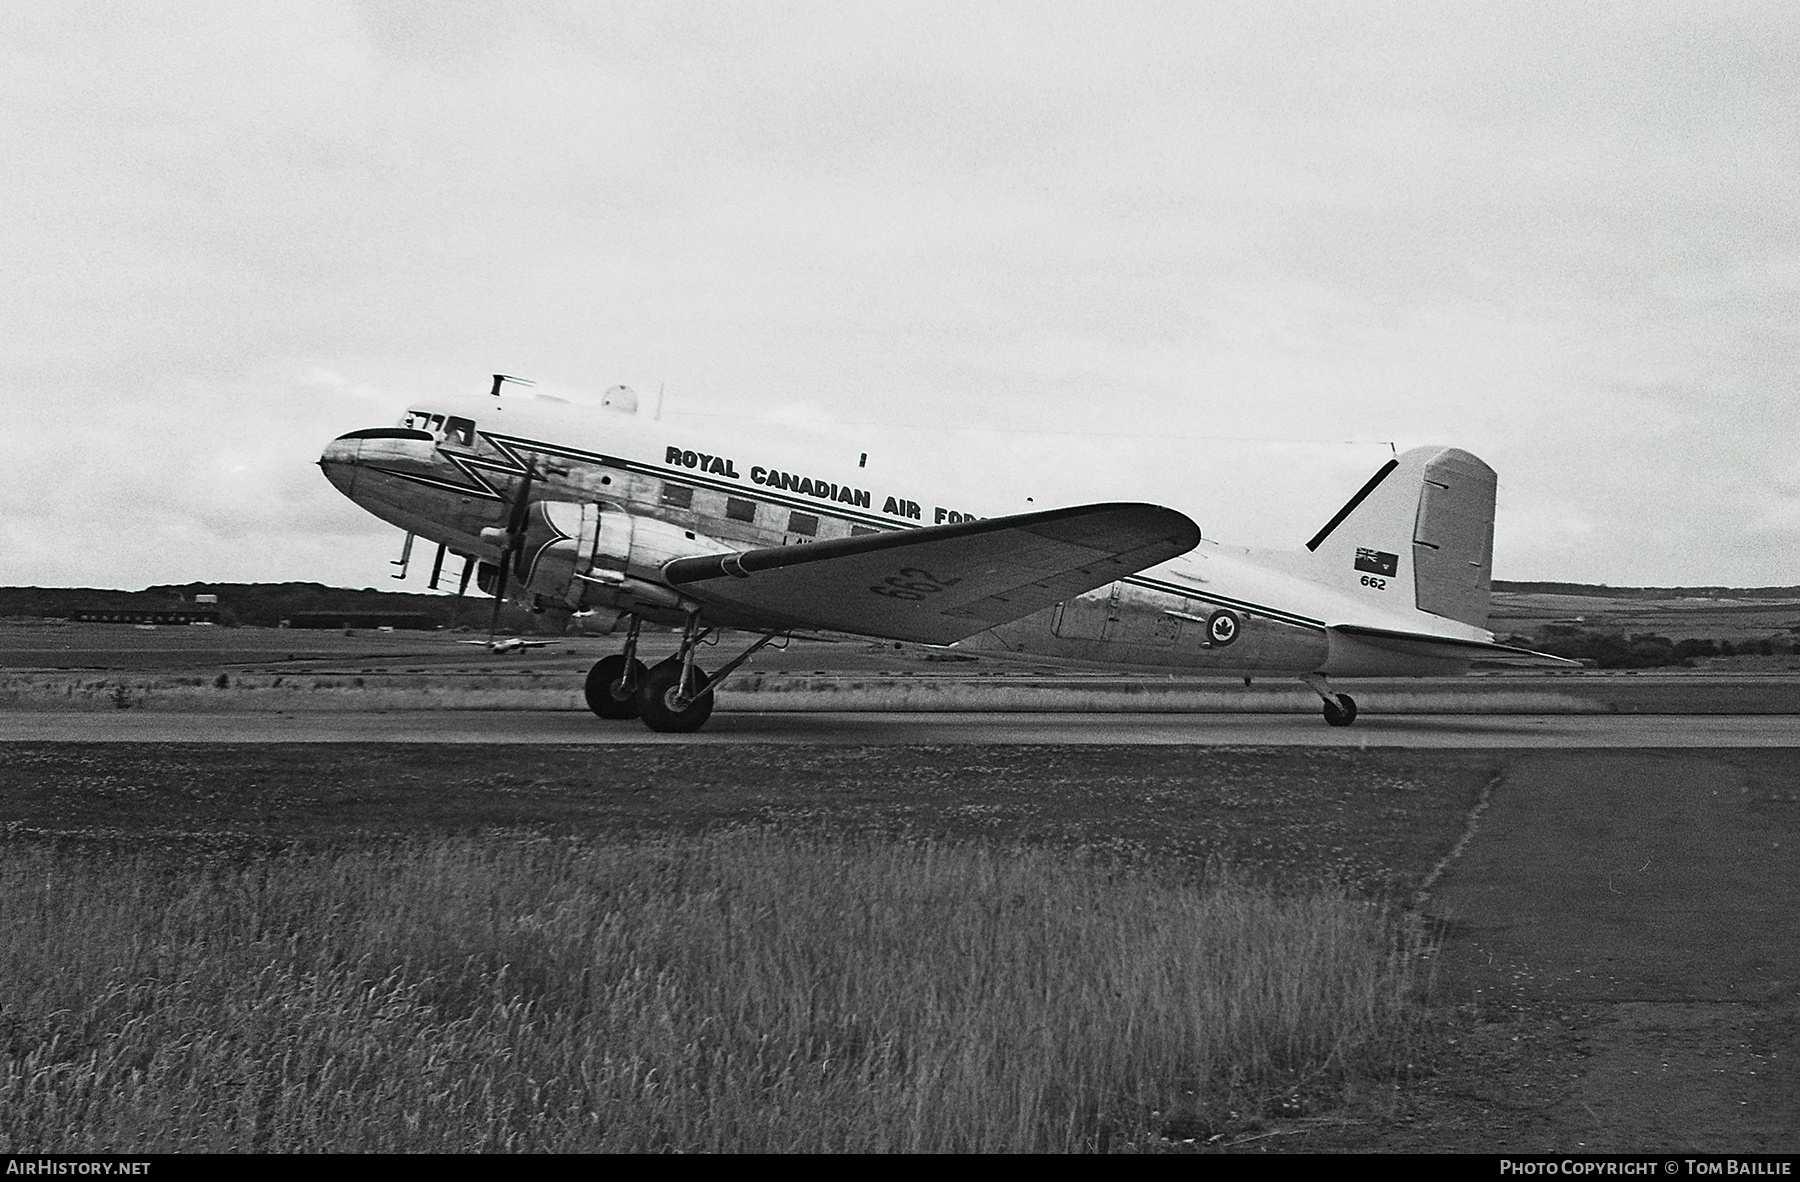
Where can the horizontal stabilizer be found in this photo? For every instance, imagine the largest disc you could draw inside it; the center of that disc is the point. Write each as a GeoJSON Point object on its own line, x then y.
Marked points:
{"type": "Point", "coordinates": [1426, 645]}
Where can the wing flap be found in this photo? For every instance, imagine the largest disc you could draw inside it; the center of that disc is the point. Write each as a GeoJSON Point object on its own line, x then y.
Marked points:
{"type": "Point", "coordinates": [937, 584]}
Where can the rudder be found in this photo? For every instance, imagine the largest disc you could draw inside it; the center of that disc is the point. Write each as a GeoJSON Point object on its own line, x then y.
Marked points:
{"type": "Point", "coordinates": [1453, 538]}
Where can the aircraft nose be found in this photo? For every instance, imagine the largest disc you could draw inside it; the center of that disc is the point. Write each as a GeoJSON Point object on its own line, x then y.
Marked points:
{"type": "Point", "coordinates": [365, 464]}
{"type": "Point", "coordinates": [339, 462]}
{"type": "Point", "coordinates": [382, 447]}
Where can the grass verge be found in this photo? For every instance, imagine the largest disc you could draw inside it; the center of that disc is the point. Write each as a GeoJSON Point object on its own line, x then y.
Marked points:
{"type": "Point", "coordinates": [756, 990]}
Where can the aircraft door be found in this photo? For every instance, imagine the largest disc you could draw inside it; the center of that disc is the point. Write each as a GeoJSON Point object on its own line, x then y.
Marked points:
{"type": "Point", "coordinates": [1094, 616]}
{"type": "Point", "coordinates": [1118, 614]}
{"type": "Point", "coordinates": [1140, 617]}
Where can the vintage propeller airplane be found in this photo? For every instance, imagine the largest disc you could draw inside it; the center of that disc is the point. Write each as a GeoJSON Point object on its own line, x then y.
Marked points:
{"type": "Point", "coordinates": [624, 520]}
{"type": "Point", "coordinates": [510, 644]}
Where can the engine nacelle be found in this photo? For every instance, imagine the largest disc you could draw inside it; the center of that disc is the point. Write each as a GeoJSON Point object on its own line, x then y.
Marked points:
{"type": "Point", "coordinates": [597, 556]}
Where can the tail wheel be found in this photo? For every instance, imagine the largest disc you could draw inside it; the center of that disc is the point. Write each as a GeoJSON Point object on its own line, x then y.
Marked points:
{"type": "Point", "coordinates": [606, 691]}
{"type": "Point", "coordinates": [660, 705]}
{"type": "Point", "coordinates": [1341, 710]}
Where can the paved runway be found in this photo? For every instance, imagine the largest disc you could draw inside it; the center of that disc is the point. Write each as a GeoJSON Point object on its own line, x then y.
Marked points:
{"type": "Point", "coordinates": [1235, 730]}
{"type": "Point", "coordinates": [1627, 922]}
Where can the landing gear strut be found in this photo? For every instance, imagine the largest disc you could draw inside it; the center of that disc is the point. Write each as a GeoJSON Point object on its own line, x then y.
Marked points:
{"type": "Point", "coordinates": [612, 684]}
{"type": "Point", "coordinates": [1340, 709]}
{"type": "Point", "coordinates": [674, 696]}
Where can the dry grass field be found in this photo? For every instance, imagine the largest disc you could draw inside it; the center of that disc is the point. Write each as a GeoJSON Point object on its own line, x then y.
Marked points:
{"type": "Point", "coordinates": [657, 948]}
{"type": "Point", "coordinates": [744, 991]}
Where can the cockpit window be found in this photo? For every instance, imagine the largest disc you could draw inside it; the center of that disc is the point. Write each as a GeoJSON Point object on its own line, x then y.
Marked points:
{"type": "Point", "coordinates": [445, 429]}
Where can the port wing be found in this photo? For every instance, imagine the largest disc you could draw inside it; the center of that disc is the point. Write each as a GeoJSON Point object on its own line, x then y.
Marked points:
{"type": "Point", "coordinates": [936, 584]}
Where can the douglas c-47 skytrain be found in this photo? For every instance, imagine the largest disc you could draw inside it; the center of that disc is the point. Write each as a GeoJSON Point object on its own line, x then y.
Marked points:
{"type": "Point", "coordinates": [599, 512]}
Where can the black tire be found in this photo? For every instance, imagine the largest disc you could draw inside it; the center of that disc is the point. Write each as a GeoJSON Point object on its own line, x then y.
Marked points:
{"type": "Point", "coordinates": [603, 684]}
{"type": "Point", "coordinates": [659, 713]}
{"type": "Point", "coordinates": [1341, 712]}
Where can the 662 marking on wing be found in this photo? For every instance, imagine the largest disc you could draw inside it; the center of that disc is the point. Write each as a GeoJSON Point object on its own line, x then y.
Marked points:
{"type": "Point", "coordinates": [912, 583]}
{"type": "Point", "coordinates": [1372, 581]}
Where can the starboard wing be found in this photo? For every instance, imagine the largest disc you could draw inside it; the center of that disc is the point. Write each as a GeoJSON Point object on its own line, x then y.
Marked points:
{"type": "Point", "coordinates": [936, 584]}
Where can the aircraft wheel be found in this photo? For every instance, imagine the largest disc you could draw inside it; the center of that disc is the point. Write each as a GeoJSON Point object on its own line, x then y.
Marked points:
{"type": "Point", "coordinates": [1341, 712]}
{"type": "Point", "coordinates": [657, 703]}
{"type": "Point", "coordinates": [605, 685]}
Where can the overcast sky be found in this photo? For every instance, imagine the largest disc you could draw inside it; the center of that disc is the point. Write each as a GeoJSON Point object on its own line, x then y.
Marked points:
{"type": "Point", "coordinates": [1212, 255]}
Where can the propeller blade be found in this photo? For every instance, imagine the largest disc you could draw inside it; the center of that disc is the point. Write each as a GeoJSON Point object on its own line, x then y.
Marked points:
{"type": "Point", "coordinates": [515, 522]}
{"type": "Point", "coordinates": [500, 591]}
{"type": "Point", "coordinates": [520, 511]}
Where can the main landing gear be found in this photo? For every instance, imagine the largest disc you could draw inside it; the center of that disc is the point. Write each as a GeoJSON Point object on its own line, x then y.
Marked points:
{"type": "Point", "coordinates": [613, 682]}
{"type": "Point", "coordinates": [1340, 709]}
{"type": "Point", "coordinates": [674, 696]}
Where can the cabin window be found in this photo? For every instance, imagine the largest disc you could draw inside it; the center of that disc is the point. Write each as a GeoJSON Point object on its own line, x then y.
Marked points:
{"type": "Point", "coordinates": [803, 523]}
{"type": "Point", "coordinates": [460, 431]}
{"type": "Point", "coordinates": [857, 531]}
{"type": "Point", "coordinates": [678, 496]}
{"type": "Point", "coordinates": [738, 509]}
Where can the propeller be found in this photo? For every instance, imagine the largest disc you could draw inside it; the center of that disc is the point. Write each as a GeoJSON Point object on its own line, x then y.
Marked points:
{"type": "Point", "coordinates": [515, 544]}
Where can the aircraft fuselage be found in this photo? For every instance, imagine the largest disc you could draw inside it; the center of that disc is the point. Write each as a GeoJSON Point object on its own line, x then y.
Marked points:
{"type": "Point", "coordinates": [453, 475]}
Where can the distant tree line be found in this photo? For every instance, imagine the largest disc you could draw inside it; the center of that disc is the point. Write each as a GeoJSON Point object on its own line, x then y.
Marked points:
{"type": "Point", "coordinates": [1644, 650]}
{"type": "Point", "coordinates": [1602, 591]}
{"type": "Point", "coordinates": [266, 605]}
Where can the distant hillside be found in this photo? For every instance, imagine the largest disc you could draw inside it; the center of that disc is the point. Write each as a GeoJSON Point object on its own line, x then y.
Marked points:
{"type": "Point", "coordinates": [267, 604]}
{"type": "Point", "coordinates": [1603, 591]}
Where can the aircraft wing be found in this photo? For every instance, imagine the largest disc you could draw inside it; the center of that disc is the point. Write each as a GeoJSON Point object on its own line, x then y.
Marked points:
{"type": "Point", "coordinates": [939, 583]}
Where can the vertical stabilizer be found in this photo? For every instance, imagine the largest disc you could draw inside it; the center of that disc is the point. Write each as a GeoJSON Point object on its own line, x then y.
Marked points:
{"type": "Point", "coordinates": [1453, 539]}
{"type": "Point", "coordinates": [1426, 519]}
